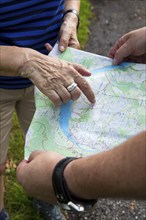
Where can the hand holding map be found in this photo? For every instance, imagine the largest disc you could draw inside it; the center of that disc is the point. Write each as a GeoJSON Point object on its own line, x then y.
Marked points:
{"type": "Point", "coordinates": [130, 47]}
{"type": "Point", "coordinates": [79, 128]}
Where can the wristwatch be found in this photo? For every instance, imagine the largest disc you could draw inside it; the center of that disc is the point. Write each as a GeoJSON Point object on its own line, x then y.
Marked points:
{"type": "Point", "coordinates": [63, 195]}
{"type": "Point", "coordinates": [74, 12]}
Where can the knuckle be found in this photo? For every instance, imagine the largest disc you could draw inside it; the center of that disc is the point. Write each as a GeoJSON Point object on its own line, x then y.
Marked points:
{"type": "Point", "coordinates": [86, 84]}
{"type": "Point", "coordinates": [66, 98]}
{"type": "Point", "coordinates": [64, 39]}
{"type": "Point", "coordinates": [56, 101]}
{"type": "Point", "coordinates": [77, 76]}
{"type": "Point", "coordinates": [117, 53]}
{"type": "Point", "coordinates": [76, 94]}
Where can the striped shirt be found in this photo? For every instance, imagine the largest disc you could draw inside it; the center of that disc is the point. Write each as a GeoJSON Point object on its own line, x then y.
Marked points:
{"type": "Point", "coordinates": [28, 23]}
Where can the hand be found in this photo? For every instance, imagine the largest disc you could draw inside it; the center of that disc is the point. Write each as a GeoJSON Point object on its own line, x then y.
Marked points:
{"type": "Point", "coordinates": [68, 32]}
{"type": "Point", "coordinates": [35, 176]}
{"type": "Point", "coordinates": [130, 47]}
{"type": "Point", "coordinates": [52, 76]}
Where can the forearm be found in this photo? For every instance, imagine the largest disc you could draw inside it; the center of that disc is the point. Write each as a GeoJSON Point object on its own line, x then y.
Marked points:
{"type": "Point", "coordinates": [118, 173]}
{"type": "Point", "coordinates": [12, 58]}
{"type": "Point", "coordinates": [71, 17]}
{"type": "Point", "coordinates": [72, 4]}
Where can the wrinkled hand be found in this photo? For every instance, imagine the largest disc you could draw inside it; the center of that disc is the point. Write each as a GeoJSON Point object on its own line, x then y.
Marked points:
{"type": "Point", "coordinates": [130, 47]}
{"type": "Point", "coordinates": [35, 176]}
{"type": "Point", "coordinates": [52, 76]}
{"type": "Point", "coordinates": [68, 32]}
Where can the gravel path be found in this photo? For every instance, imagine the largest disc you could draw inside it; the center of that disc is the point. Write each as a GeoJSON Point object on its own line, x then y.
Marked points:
{"type": "Point", "coordinates": [112, 19]}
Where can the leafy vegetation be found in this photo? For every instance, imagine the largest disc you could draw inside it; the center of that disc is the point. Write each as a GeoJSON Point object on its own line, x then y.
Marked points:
{"type": "Point", "coordinates": [85, 17]}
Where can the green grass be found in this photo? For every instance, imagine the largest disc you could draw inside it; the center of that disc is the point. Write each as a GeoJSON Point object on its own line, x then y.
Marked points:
{"type": "Point", "coordinates": [85, 18]}
{"type": "Point", "coordinates": [17, 202]}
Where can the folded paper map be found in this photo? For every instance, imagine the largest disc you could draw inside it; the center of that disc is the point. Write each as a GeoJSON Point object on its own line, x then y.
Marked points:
{"type": "Point", "coordinates": [79, 128]}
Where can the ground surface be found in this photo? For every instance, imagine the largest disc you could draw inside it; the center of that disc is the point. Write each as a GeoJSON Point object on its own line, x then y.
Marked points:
{"type": "Point", "coordinates": [113, 18]}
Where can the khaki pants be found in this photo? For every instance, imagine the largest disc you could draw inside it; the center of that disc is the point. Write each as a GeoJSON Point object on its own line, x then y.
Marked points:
{"type": "Point", "coordinates": [21, 101]}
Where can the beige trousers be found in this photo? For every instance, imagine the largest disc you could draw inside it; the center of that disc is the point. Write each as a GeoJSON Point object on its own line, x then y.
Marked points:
{"type": "Point", "coordinates": [21, 101]}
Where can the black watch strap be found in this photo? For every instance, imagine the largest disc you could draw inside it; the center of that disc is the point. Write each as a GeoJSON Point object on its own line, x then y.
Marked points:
{"type": "Point", "coordinates": [62, 192]}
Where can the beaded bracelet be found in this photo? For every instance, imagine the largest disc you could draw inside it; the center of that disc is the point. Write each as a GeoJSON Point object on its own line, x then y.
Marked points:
{"type": "Point", "coordinates": [74, 12]}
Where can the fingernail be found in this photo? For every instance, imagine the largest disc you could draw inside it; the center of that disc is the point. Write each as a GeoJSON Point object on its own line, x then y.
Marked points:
{"type": "Point", "coordinates": [61, 48]}
{"type": "Point", "coordinates": [114, 62]}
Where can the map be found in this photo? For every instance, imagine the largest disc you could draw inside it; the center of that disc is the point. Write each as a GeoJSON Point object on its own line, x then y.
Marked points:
{"type": "Point", "coordinates": [79, 128]}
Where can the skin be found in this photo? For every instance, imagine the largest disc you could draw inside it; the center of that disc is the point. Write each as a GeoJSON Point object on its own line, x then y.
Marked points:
{"type": "Point", "coordinates": [117, 173]}
{"type": "Point", "coordinates": [68, 30]}
{"type": "Point", "coordinates": [130, 47]}
{"type": "Point", "coordinates": [50, 75]}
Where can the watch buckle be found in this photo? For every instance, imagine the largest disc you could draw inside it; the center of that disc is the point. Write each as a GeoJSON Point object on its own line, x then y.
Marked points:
{"type": "Point", "coordinates": [76, 207]}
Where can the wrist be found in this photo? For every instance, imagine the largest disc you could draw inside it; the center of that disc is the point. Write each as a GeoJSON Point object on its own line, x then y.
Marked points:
{"type": "Point", "coordinates": [65, 197]}
{"type": "Point", "coordinates": [76, 178]}
{"type": "Point", "coordinates": [12, 58]}
{"type": "Point", "coordinates": [73, 15]}
{"type": "Point", "coordinates": [32, 62]}
{"type": "Point", "coordinates": [71, 177]}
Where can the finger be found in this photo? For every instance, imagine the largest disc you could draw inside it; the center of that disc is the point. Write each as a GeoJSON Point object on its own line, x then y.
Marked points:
{"type": "Point", "coordinates": [64, 95]}
{"type": "Point", "coordinates": [53, 96]}
{"type": "Point", "coordinates": [137, 59]}
{"type": "Point", "coordinates": [73, 90]}
{"type": "Point", "coordinates": [118, 51]}
{"type": "Point", "coordinates": [64, 39]}
{"type": "Point", "coordinates": [75, 94]}
{"type": "Point", "coordinates": [123, 52]}
{"type": "Point", "coordinates": [48, 47]}
{"type": "Point", "coordinates": [85, 88]}
{"type": "Point", "coordinates": [73, 42]}
{"type": "Point", "coordinates": [20, 171]}
{"type": "Point", "coordinates": [22, 164]}
{"type": "Point", "coordinates": [34, 154]}
{"type": "Point", "coordinates": [117, 45]}
{"type": "Point", "coordinates": [113, 50]}
{"type": "Point", "coordinates": [81, 70]}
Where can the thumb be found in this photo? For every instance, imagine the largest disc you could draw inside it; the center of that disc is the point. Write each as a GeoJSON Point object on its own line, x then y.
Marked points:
{"type": "Point", "coordinates": [64, 41]}
{"type": "Point", "coordinates": [123, 52]}
{"type": "Point", "coordinates": [21, 170]}
{"type": "Point", "coordinates": [34, 154]}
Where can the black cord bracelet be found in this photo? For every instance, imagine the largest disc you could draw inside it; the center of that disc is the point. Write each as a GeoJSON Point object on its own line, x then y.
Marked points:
{"type": "Point", "coordinates": [74, 12]}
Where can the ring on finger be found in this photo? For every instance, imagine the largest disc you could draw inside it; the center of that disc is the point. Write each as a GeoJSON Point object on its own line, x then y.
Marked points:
{"type": "Point", "coordinates": [71, 87]}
